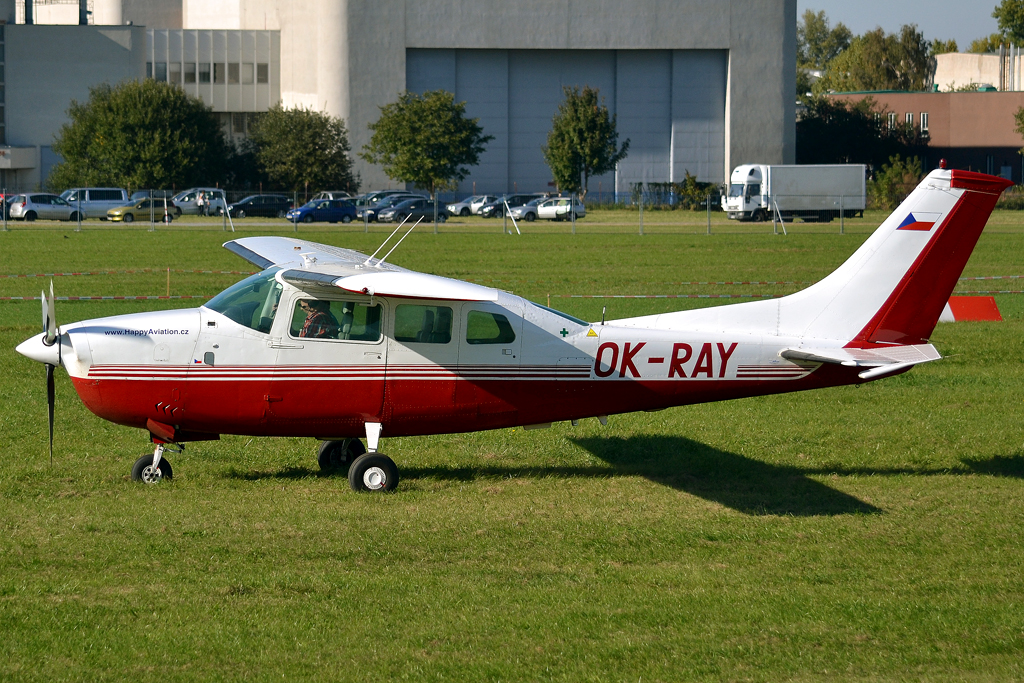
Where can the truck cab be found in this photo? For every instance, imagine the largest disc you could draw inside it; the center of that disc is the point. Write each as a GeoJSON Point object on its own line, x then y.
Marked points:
{"type": "Point", "coordinates": [744, 200]}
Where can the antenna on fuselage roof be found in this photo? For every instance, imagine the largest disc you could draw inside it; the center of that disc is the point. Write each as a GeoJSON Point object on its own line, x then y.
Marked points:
{"type": "Point", "coordinates": [399, 241]}
{"type": "Point", "coordinates": [370, 257]}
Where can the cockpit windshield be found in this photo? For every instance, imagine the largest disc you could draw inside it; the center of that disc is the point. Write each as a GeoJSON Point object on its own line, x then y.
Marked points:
{"type": "Point", "coordinates": [251, 302]}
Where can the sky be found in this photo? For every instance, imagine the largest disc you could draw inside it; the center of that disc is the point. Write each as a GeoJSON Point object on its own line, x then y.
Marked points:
{"type": "Point", "coordinates": [963, 20]}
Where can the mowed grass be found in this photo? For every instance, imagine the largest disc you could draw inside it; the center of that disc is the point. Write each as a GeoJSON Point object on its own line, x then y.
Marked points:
{"type": "Point", "coordinates": [870, 533]}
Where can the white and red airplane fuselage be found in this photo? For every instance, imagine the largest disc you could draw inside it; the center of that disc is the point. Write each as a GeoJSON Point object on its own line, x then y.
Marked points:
{"type": "Point", "coordinates": [399, 353]}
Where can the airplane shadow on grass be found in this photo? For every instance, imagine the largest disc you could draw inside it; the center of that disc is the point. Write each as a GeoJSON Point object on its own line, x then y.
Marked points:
{"type": "Point", "coordinates": [735, 481]}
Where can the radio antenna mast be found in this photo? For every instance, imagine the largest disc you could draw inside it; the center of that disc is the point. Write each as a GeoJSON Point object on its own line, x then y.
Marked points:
{"type": "Point", "coordinates": [385, 258]}
{"type": "Point", "coordinates": [370, 257]}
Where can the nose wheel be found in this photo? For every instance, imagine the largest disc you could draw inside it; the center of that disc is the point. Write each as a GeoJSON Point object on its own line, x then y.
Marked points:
{"type": "Point", "coordinates": [152, 469]}
{"type": "Point", "coordinates": [373, 472]}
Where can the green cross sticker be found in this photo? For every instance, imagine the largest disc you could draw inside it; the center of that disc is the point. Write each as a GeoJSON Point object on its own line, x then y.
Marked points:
{"type": "Point", "coordinates": [564, 333]}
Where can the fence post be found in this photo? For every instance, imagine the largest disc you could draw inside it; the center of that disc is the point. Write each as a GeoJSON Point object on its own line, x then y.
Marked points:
{"type": "Point", "coordinates": [641, 210]}
{"type": "Point", "coordinates": [842, 217]}
{"type": "Point", "coordinates": [4, 207]}
{"type": "Point", "coordinates": [771, 207]}
{"type": "Point", "coordinates": [572, 211]}
{"type": "Point", "coordinates": [78, 228]}
{"type": "Point", "coordinates": [295, 214]}
{"type": "Point", "coordinates": [707, 199]}
{"type": "Point", "coordinates": [152, 213]}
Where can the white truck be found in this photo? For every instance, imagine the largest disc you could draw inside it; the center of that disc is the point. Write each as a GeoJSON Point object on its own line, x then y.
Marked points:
{"type": "Point", "coordinates": [811, 193]}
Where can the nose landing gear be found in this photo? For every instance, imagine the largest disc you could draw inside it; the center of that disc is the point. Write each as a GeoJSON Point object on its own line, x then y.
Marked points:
{"type": "Point", "coordinates": [152, 469]}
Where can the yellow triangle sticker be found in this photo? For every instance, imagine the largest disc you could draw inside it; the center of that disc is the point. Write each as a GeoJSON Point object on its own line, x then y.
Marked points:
{"type": "Point", "coordinates": [591, 333]}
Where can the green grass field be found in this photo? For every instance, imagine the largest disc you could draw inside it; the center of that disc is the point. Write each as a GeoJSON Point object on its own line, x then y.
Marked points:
{"type": "Point", "coordinates": [864, 534]}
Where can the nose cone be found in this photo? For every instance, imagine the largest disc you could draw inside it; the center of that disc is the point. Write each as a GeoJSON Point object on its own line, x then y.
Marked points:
{"type": "Point", "coordinates": [35, 349]}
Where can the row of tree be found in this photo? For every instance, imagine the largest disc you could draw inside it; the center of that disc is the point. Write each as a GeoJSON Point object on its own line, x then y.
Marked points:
{"type": "Point", "coordinates": [152, 134]}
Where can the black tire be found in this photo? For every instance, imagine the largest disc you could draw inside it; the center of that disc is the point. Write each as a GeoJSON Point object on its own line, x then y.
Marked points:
{"type": "Point", "coordinates": [337, 456]}
{"type": "Point", "coordinates": [128, 218]}
{"type": "Point", "coordinates": [441, 218]}
{"type": "Point", "coordinates": [142, 470]}
{"type": "Point", "coordinates": [346, 219]}
{"type": "Point", "coordinates": [530, 217]}
{"type": "Point", "coordinates": [373, 472]}
{"type": "Point", "coordinates": [308, 218]}
{"type": "Point", "coordinates": [464, 212]}
{"type": "Point", "coordinates": [281, 212]}
{"type": "Point", "coordinates": [30, 216]}
{"type": "Point", "coordinates": [177, 211]}
{"type": "Point", "coordinates": [241, 214]}
{"type": "Point", "coordinates": [74, 217]}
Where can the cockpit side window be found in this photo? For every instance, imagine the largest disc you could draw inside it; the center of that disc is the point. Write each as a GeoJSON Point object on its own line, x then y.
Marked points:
{"type": "Point", "coordinates": [423, 324]}
{"type": "Point", "coordinates": [251, 302]}
{"type": "Point", "coordinates": [343, 320]}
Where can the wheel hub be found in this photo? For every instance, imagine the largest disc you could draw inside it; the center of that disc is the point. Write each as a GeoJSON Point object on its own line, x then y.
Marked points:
{"type": "Point", "coordinates": [152, 475]}
{"type": "Point", "coordinates": [375, 479]}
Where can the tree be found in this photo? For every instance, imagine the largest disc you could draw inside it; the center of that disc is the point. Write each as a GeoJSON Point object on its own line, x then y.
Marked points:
{"type": "Point", "coordinates": [941, 47]}
{"type": "Point", "coordinates": [583, 141]}
{"type": "Point", "coordinates": [147, 134]}
{"type": "Point", "coordinates": [879, 61]}
{"type": "Point", "coordinates": [835, 131]}
{"type": "Point", "coordinates": [297, 148]}
{"type": "Point", "coordinates": [895, 181]}
{"type": "Point", "coordinates": [426, 140]}
{"type": "Point", "coordinates": [1018, 117]}
{"type": "Point", "coordinates": [987, 44]}
{"type": "Point", "coordinates": [817, 43]}
{"type": "Point", "coordinates": [1010, 15]}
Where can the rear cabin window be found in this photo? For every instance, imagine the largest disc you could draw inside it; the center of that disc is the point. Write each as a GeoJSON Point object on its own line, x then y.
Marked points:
{"type": "Point", "coordinates": [483, 327]}
{"type": "Point", "coordinates": [341, 320]}
{"type": "Point", "coordinates": [423, 324]}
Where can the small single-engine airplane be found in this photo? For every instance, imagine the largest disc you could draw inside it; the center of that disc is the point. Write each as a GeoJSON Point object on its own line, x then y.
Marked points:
{"type": "Point", "coordinates": [328, 343]}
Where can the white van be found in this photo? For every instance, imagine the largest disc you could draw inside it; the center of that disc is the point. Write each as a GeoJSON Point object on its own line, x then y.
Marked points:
{"type": "Point", "coordinates": [186, 201]}
{"type": "Point", "coordinates": [95, 201]}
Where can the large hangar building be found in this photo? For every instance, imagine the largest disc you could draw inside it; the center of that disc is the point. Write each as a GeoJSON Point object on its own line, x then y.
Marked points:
{"type": "Point", "coordinates": [697, 87]}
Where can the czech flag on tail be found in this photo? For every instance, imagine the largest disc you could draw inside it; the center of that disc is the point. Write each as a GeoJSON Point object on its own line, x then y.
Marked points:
{"type": "Point", "coordinates": [919, 220]}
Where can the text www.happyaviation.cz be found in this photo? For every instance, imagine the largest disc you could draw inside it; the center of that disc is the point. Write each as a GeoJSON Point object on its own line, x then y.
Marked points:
{"type": "Point", "coordinates": [143, 333]}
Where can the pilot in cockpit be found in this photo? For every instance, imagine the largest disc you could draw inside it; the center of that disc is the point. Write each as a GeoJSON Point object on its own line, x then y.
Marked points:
{"type": "Point", "coordinates": [320, 322]}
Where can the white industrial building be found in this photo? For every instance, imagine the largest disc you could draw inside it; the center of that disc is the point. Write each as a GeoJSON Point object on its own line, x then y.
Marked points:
{"type": "Point", "coordinates": [696, 86]}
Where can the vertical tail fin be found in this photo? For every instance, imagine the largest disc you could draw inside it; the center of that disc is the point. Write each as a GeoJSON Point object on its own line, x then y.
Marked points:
{"type": "Point", "coordinates": [892, 290]}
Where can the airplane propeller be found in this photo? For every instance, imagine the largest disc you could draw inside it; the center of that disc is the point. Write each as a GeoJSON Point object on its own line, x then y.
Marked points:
{"type": "Point", "coordinates": [51, 337]}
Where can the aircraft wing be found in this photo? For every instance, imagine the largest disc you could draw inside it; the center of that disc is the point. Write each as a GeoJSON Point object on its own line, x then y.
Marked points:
{"type": "Point", "coordinates": [309, 264]}
{"type": "Point", "coordinates": [264, 252]}
{"type": "Point", "coordinates": [879, 361]}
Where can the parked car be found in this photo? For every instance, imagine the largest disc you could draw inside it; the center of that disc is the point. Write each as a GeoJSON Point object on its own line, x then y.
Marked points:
{"type": "Point", "coordinates": [186, 201]}
{"type": "Point", "coordinates": [94, 202]}
{"type": "Point", "coordinates": [319, 210]}
{"type": "Point", "coordinates": [561, 208]}
{"type": "Point", "coordinates": [376, 195]}
{"type": "Point", "coordinates": [369, 213]}
{"type": "Point", "coordinates": [28, 207]}
{"type": "Point", "coordinates": [470, 205]}
{"type": "Point", "coordinates": [528, 211]}
{"type": "Point", "coordinates": [332, 194]}
{"type": "Point", "coordinates": [412, 209]}
{"type": "Point", "coordinates": [497, 207]}
{"type": "Point", "coordinates": [268, 205]}
{"type": "Point", "coordinates": [143, 210]}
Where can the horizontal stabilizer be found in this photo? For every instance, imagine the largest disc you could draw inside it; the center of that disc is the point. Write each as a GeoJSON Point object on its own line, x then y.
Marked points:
{"type": "Point", "coordinates": [867, 358]}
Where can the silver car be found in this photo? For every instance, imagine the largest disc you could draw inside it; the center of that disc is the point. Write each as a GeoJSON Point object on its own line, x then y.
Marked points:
{"type": "Point", "coordinates": [470, 205]}
{"type": "Point", "coordinates": [186, 201]}
{"type": "Point", "coordinates": [28, 207]}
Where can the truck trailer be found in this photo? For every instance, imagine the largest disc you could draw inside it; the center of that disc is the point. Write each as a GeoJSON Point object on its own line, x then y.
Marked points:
{"type": "Point", "coordinates": [813, 193]}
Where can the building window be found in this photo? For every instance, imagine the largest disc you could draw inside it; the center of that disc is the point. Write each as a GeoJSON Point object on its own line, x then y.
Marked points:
{"type": "Point", "coordinates": [247, 75]}
{"type": "Point", "coordinates": [190, 72]}
{"type": "Point", "coordinates": [910, 118]}
{"type": "Point", "coordinates": [174, 73]}
{"type": "Point", "coordinates": [238, 123]}
{"type": "Point", "coordinates": [218, 73]}
{"type": "Point", "coordinates": [250, 121]}
{"type": "Point", "coordinates": [924, 122]}
{"type": "Point", "coordinates": [232, 73]}
{"type": "Point", "coordinates": [892, 119]}
{"type": "Point", "coordinates": [262, 73]}
{"type": "Point", "coordinates": [149, 69]}
{"type": "Point", "coordinates": [225, 122]}
{"type": "Point", "coordinates": [160, 71]}
{"type": "Point", "coordinates": [204, 73]}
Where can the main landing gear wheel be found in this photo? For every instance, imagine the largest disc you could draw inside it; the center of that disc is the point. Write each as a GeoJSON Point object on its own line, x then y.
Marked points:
{"type": "Point", "coordinates": [338, 455]}
{"type": "Point", "coordinates": [373, 472]}
{"type": "Point", "coordinates": [143, 470]}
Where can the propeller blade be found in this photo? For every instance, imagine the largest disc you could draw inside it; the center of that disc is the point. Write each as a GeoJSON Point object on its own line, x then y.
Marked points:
{"type": "Point", "coordinates": [50, 400]}
{"type": "Point", "coordinates": [51, 318]}
{"type": "Point", "coordinates": [42, 298]}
